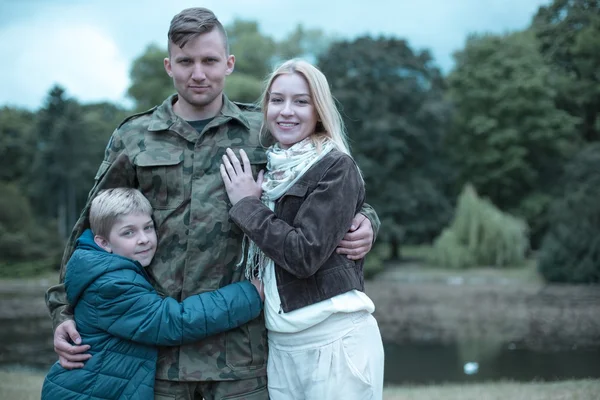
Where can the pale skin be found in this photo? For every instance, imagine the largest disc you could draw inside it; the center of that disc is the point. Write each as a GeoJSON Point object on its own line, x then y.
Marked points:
{"type": "Point", "coordinates": [199, 70]}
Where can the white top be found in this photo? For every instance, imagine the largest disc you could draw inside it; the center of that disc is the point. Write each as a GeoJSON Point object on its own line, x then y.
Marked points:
{"type": "Point", "coordinates": [305, 317]}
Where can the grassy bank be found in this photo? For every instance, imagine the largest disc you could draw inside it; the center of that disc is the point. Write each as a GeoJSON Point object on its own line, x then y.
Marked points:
{"type": "Point", "coordinates": [23, 385]}
{"type": "Point", "coordinates": [580, 390]}
{"type": "Point", "coordinates": [420, 303]}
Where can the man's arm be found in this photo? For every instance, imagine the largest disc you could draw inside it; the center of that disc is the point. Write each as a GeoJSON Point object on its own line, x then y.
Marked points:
{"type": "Point", "coordinates": [115, 171]}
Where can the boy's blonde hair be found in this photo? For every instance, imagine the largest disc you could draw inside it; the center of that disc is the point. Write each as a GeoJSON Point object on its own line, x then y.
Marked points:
{"type": "Point", "coordinates": [111, 204]}
{"type": "Point", "coordinates": [330, 125]}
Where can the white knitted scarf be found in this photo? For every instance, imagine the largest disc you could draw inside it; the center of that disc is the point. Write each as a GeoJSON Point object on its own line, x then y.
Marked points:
{"type": "Point", "coordinates": [284, 168]}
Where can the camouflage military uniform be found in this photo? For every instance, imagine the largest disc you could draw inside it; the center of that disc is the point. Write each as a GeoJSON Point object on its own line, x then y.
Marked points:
{"type": "Point", "coordinates": [177, 169]}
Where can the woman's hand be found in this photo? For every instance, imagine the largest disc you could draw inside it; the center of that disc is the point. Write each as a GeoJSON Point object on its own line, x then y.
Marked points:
{"type": "Point", "coordinates": [238, 179]}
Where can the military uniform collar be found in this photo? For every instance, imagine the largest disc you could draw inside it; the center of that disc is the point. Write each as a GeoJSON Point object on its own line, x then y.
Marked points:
{"type": "Point", "coordinates": [230, 110]}
{"type": "Point", "coordinates": [164, 118]}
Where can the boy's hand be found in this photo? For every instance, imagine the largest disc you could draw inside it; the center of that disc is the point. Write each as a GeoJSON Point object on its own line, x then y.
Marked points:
{"type": "Point", "coordinates": [259, 287]}
{"type": "Point", "coordinates": [239, 182]}
{"type": "Point", "coordinates": [70, 356]}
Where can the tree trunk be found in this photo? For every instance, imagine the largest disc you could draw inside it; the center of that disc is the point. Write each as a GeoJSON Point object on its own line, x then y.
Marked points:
{"type": "Point", "coordinates": [71, 208]}
{"type": "Point", "coordinates": [395, 253]}
{"type": "Point", "coordinates": [62, 214]}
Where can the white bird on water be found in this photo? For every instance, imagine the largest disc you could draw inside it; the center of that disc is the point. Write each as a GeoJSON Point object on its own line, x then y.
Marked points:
{"type": "Point", "coordinates": [471, 368]}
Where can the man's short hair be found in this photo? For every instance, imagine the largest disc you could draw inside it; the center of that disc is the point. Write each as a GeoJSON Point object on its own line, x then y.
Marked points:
{"type": "Point", "coordinates": [192, 22]}
{"type": "Point", "coordinates": [111, 204]}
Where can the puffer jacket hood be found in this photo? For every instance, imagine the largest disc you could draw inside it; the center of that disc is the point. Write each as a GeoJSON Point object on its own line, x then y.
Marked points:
{"type": "Point", "coordinates": [81, 276]}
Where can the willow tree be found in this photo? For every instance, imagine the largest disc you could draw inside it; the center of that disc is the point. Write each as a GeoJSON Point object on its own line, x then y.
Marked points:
{"type": "Point", "coordinates": [481, 235]}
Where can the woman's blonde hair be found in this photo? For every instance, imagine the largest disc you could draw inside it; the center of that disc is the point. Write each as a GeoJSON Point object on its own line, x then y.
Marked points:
{"type": "Point", "coordinates": [330, 125]}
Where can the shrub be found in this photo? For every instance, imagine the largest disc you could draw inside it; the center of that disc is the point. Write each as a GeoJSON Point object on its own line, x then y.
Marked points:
{"type": "Point", "coordinates": [26, 245]}
{"type": "Point", "coordinates": [374, 261]}
{"type": "Point", "coordinates": [480, 234]}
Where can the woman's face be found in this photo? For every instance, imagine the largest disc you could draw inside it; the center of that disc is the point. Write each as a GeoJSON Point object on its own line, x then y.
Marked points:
{"type": "Point", "coordinates": [291, 114]}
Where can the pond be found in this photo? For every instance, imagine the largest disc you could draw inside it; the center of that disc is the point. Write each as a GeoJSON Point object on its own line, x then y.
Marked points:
{"type": "Point", "coordinates": [437, 363]}
{"type": "Point", "coordinates": [27, 342]}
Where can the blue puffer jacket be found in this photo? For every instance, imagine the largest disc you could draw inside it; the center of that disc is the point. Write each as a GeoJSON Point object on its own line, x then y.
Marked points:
{"type": "Point", "coordinates": [120, 315]}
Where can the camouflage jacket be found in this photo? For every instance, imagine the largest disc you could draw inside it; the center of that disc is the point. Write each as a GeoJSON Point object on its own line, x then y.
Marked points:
{"type": "Point", "coordinates": [177, 169]}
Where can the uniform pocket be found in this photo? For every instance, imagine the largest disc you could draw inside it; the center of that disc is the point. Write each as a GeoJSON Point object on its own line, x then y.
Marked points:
{"type": "Point", "coordinates": [246, 346]}
{"type": "Point", "coordinates": [256, 394]}
{"type": "Point", "coordinates": [160, 178]}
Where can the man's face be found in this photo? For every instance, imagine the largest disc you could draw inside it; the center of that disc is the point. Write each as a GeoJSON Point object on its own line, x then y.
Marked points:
{"type": "Point", "coordinates": [132, 236]}
{"type": "Point", "coordinates": [198, 71]}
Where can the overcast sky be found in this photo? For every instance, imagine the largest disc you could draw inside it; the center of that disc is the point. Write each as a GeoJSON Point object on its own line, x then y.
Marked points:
{"type": "Point", "coordinates": [87, 46]}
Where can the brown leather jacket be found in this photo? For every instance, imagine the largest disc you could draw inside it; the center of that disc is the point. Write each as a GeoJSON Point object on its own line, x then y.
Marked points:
{"type": "Point", "coordinates": [308, 223]}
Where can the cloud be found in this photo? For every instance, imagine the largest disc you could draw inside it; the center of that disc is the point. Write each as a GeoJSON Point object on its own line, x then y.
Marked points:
{"type": "Point", "coordinates": [81, 58]}
{"type": "Point", "coordinates": [88, 45]}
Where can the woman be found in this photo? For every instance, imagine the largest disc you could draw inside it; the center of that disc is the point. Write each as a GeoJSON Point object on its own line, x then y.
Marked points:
{"type": "Point", "coordinates": [323, 341]}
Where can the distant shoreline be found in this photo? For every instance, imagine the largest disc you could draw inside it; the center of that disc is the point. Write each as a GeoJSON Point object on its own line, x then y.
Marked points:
{"type": "Point", "coordinates": [411, 309]}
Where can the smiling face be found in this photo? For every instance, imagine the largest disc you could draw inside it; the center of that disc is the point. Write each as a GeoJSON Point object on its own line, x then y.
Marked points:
{"type": "Point", "coordinates": [132, 236]}
{"type": "Point", "coordinates": [198, 71]}
{"type": "Point", "coordinates": [291, 114]}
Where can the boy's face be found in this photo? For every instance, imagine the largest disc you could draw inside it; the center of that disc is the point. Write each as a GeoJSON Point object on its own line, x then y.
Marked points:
{"type": "Point", "coordinates": [132, 236]}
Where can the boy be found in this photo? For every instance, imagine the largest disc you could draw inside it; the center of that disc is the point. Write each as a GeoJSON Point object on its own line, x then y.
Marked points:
{"type": "Point", "coordinates": [121, 316]}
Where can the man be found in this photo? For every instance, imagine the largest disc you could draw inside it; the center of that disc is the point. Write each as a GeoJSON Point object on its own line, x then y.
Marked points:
{"type": "Point", "coordinates": [172, 154]}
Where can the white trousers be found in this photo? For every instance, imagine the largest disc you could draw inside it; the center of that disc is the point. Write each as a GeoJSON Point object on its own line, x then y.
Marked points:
{"type": "Point", "coordinates": [339, 358]}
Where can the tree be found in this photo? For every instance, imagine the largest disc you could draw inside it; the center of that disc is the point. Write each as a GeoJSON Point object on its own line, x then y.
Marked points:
{"type": "Point", "coordinates": [150, 84]}
{"type": "Point", "coordinates": [393, 106]}
{"type": "Point", "coordinates": [569, 38]}
{"type": "Point", "coordinates": [70, 142]}
{"type": "Point", "coordinates": [507, 138]}
{"type": "Point", "coordinates": [304, 43]}
{"type": "Point", "coordinates": [17, 145]}
{"type": "Point", "coordinates": [570, 251]}
{"type": "Point", "coordinates": [255, 52]}
{"type": "Point", "coordinates": [481, 235]}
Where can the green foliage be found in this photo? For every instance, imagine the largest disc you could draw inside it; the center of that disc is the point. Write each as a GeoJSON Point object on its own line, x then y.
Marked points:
{"type": "Point", "coordinates": [305, 43]}
{"type": "Point", "coordinates": [244, 88]}
{"type": "Point", "coordinates": [21, 237]}
{"type": "Point", "coordinates": [27, 269]}
{"type": "Point", "coordinates": [70, 142]}
{"type": "Point", "coordinates": [507, 138]}
{"type": "Point", "coordinates": [254, 52]}
{"type": "Point", "coordinates": [480, 235]}
{"type": "Point", "coordinates": [374, 261]}
{"type": "Point", "coordinates": [17, 145]}
{"type": "Point", "coordinates": [569, 37]}
{"type": "Point", "coordinates": [570, 251]}
{"type": "Point", "coordinates": [150, 84]}
{"type": "Point", "coordinates": [396, 117]}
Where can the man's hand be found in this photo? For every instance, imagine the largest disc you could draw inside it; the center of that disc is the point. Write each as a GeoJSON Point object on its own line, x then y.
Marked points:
{"type": "Point", "coordinates": [239, 182]}
{"type": "Point", "coordinates": [359, 239]}
{"type": "Point", "coordinates": [259, 287]}
{"type": "Point", "coordinates": [70, 356]}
